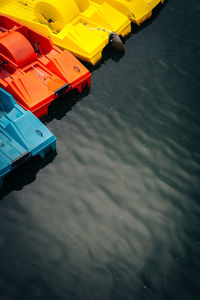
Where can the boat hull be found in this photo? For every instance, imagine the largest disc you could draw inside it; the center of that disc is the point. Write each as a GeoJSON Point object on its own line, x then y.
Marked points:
{"type": "Point", "coordinates": [22, 136]}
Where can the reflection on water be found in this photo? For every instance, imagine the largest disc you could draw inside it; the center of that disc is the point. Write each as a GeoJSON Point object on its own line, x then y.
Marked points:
{"type": "Point", "coordinates": [115, 215]}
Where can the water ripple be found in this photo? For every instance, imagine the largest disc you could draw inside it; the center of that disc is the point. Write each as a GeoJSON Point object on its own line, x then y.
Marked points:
{"type": "Point", "coordinates": [115, 215]}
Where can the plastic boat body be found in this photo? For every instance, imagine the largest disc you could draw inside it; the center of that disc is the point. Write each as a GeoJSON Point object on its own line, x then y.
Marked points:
{"type": "Point", "coordinates": [35, 71]}
{"type": "Point", "coordinates": [138, 11]}
{"type": "Point", "coordinates": [22, 135]}
{"type": "Point", "coordinates": [74, 25]}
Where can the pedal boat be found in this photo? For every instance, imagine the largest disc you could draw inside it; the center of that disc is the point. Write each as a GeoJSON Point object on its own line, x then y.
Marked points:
{"type": "Point", "coordinates": [35, 71]}
{"type": "Point", "coordinates": [22, 135]}
{"type": "Point", "coordinates": [81, 27]}
{"type": "Point", "coordinates": [137, 11]}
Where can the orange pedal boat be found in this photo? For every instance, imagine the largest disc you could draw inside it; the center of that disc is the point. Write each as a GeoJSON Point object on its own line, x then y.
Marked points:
{"type": "Point", "coordinates": [35, 71]}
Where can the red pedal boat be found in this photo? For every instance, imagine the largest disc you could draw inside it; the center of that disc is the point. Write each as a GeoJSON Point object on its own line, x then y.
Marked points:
{"type": "Point", "coordinates": [35, 71]}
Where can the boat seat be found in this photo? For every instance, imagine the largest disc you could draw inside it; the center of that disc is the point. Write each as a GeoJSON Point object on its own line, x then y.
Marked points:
{"type": "Point", "coordinates": [56, 11]}
{"type": "Point", "coordinates": [17, 48]}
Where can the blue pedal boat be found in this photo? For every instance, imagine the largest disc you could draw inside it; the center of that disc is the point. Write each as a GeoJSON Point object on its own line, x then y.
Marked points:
{"type": "Point", "coordinates": [22, 135]}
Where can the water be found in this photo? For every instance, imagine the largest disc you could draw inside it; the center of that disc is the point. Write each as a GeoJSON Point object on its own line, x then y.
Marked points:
{"type": "Point", "coordinates": [115, 215]}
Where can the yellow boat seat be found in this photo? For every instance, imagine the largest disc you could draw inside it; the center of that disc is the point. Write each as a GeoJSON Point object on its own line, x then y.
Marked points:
{"type": "Point", "coordinates": [56, 16]}
{"type": "Point", "coordinates": [138, 11]}
{"type": "Point", "coordinates": [79, 26]}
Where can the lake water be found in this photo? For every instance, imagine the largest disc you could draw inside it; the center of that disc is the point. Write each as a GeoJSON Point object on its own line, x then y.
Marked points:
{"type": "Point", "coordinates": [115, 215]}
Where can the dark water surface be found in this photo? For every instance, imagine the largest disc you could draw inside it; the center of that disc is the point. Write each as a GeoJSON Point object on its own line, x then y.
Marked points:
{"type": "Point", "coordinates": [116, 214]}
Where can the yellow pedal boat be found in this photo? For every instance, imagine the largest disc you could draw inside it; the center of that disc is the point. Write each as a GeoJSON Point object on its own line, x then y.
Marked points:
{"type": "Point", "coordinates": [138, 11]}
{"type": "Point", "coordinates": [79, 26]}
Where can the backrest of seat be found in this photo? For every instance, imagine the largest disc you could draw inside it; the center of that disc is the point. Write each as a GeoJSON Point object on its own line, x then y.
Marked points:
{"type": "Point", "coordinates": [17, 48]}
{"type": "Point", "coordinates": [56, 11]}
{"type": "Point", "coordinates": [6, 103]}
